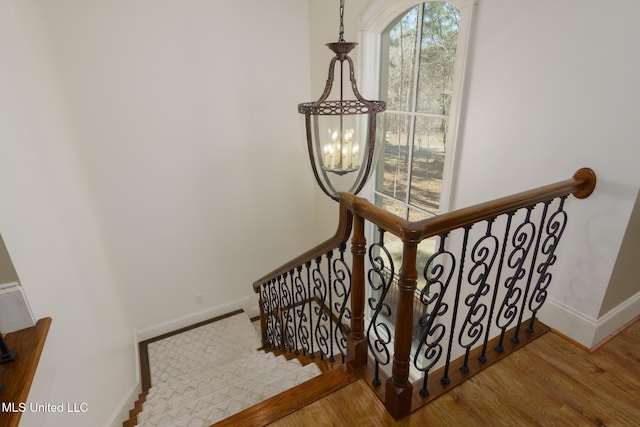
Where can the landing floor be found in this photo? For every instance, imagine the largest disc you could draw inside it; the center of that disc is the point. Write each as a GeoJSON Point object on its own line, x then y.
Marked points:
{"type": "Point", "coordinates": [549, 382]}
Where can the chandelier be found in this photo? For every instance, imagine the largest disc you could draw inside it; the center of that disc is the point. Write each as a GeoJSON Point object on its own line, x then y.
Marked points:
{"type": "Point", "coordinates": [341, 133]}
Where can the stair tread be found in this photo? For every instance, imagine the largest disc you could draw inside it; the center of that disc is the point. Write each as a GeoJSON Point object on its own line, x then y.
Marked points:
{"type": "Point", "coordinates": [207, 374]}
{"type": "Point", "coordinates": [248, 370]}
{"type": "Point", "coordinates": [194, 350]}
{"type": "Point", "coordinates": [227, 397]}
{"type": "Point", "coordinates": [210, 384]}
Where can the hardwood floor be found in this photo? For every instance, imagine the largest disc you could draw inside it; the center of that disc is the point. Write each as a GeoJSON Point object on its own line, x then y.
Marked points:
{"type": "Point", "coordinates": [550, 382]}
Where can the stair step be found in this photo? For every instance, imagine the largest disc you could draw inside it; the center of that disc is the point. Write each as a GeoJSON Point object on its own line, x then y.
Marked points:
{"type": "Point", "coordinates": [246, 370]}
{"type": "Point", "coordinates": [214, 374]}
{"type": "Point", "coordinates": [294, 398]}
{"type": "Point", "coordinates": [137, 408]}
{"type": "Point", "coordinates": [222, 400]}
{"type": "Point", "coordinates": [317, 358]}
{"type": "Point", "coordinates": [194, 350]}
{"type": "Point", "coordinates": [204, 375]}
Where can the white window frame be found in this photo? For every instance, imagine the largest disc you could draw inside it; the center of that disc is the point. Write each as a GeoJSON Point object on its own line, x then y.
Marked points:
{"type": "Point", "coordinates": [371, 25]}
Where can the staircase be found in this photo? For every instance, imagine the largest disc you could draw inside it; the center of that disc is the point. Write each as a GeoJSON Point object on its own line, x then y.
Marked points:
{"type": "Point", "coordinates": [209, 373]}
{"type": "Point", "coordinates": [474, 300]}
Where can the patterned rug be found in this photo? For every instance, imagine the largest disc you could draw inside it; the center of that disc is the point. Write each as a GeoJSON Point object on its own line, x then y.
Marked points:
{"type": "Point", "coordinates": [206, 374]}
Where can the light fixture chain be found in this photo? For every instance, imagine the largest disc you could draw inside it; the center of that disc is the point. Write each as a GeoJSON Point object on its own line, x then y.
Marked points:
{"type": "Point", "coordinates": [341, 37]}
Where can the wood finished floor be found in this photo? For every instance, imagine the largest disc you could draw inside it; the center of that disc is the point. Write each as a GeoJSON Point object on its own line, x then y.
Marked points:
{"type": "Point", "coordinates": [550, 382]}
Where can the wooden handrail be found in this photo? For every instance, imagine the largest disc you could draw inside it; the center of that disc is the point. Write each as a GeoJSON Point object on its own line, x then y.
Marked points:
{"type": "Point", "coordinates": [581, 185]}
{"type": "Point", "coordinates": [343, 232]}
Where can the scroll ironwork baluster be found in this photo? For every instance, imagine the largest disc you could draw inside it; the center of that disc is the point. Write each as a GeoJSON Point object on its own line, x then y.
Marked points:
{"type": "Point", "coordinates": [266, 309]}
{"type": "Point", "coordinates": [284, 304]}
{"type": "Point", "coordinates": [438, 272]}
{"type": "Point", "coordinates": [281, 311]}
{"type": "Point", "coordinates": [289, 314]}
{"type": "Point", "coordinates": [329, 307]}
{"type": "Point", "coordinates": [445, 375]}
{"type": "Point", "coordinates": [483, 256]}
{"type": "Point", "coordinates": [342, 290]}
{"type": "Point", "coordinates": [320, 297]}
{"type": "Point", "coordinates": [277, 321]}
{"type": "Point", "coordinates": [555, 228]}
{"type": "Point", "coordinates": [380, 278]}
{"type": "Point", "coordinates": [483, 354]}
{"type": "Point", "coordinates": [292, 311]}
{"type": "Point", "coordinates": [301, 300]}
{"type": "Point", "coordinates": [312, 352]}
{"type": "Point", "coordinates": [522, 241]}
{"type": "Point", "coordinates": [515, 338]}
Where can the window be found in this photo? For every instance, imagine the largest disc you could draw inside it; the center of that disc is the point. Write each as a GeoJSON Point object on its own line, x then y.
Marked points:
{"type": "Point", "coordinates": [418, 65]}
{"type": "Point", "coordinates": [422, 52]}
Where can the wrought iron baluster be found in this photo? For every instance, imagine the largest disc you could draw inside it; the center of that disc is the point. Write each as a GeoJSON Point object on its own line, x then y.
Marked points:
{"type": "Point", "coordinates": [515, 338]}
{"type": "Point", "coordinates": [275, 309]}
{"type": "Point", "coordinates": [312, 352]}
{"type": "Point", "coordinates": [284, 304]}
{"type": "Point", "coordinates": [320, 297]}
{"type": "Point", "coordinates": [282, 312]}
{"type": "Point", "coordinates": [483, 256]}
{"type": "Point", "coordinates": [290, 314]}
{"type": "Point", "coordinates": [522, 241]}
{"type": "Point", "coordinates": [342, 290]}
{"type": "Point", "coordinates": [445, 376]}
{"type": "Point", "coordinates": [293, 329]}
{"type": "Point", "coordinates": [380, 279]}
{"type": "Point", "coordinates": [438, 272]}
{"type": "Point", "coordinates": [266, 310]}
{"type": "Point", "coordinates": [331, 331]}
{"type": "Point", "coordinates": [301, 301]}
{"type": "Point", "coordinates": [483, 354]}
{"type": "Point", "coordinates": [555, 228]}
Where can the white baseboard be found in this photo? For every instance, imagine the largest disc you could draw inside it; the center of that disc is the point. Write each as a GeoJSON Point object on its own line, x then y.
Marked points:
{"type": "Point", "coordinates": [126, 406]}
{"type": "Point", "coordinates": [585, 330]}
{"type": "Point", "coordinates": [617, 318]}
{"type": "Point", "coordinates": [569, 322]}
{"type": "Point", "coordinates": [248, 304]}
{"type": "Point", "coordinates": [132, 396]}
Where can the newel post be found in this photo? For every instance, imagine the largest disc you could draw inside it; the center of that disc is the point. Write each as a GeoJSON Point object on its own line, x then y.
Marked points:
{"type": "Point", "coordinates": [357, 343]}
{"type": "Point", "coordinates": [399, 389]}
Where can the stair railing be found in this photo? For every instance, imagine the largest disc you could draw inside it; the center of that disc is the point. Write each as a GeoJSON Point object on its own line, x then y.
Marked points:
{"type": "Point", "coordinates": [304, 304]}
{"type": "Point", "coordinates": [487, 277]}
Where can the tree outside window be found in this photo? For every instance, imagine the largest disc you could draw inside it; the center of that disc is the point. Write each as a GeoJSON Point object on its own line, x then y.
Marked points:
{"type": "Point", "coordinates": [418, 64]}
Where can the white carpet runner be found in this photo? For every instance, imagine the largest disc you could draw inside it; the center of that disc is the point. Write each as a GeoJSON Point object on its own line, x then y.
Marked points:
{"type": "Point", "coordinates": [206, 374]}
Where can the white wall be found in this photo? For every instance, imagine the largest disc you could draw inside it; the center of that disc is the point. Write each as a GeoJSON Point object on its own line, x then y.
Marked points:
{"type": "Point", "coordinates": [49, 228]}
{"type": "Point", "coordinates": [187, 123]}
{"type": "Point", "coordinates": [551, 88]}
{"type": "Point", "coordinates": [152, 152]}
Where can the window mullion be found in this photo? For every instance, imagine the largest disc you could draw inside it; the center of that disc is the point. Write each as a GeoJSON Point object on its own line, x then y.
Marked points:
{"type": "Point", "coordinates": [416, 63]}
{"type": "Point", "coordinates": [417, 114]}
{"type": "Point", "coordinates": [414, 107]}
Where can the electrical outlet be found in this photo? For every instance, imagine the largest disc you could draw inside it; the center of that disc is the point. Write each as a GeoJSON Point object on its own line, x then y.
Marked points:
{"type": "Point", "coordinates": [199, 299]}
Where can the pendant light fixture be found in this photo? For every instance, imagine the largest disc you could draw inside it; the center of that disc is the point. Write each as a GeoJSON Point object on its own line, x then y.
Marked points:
{"type": "Point", "coordinates": [341, 133]}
